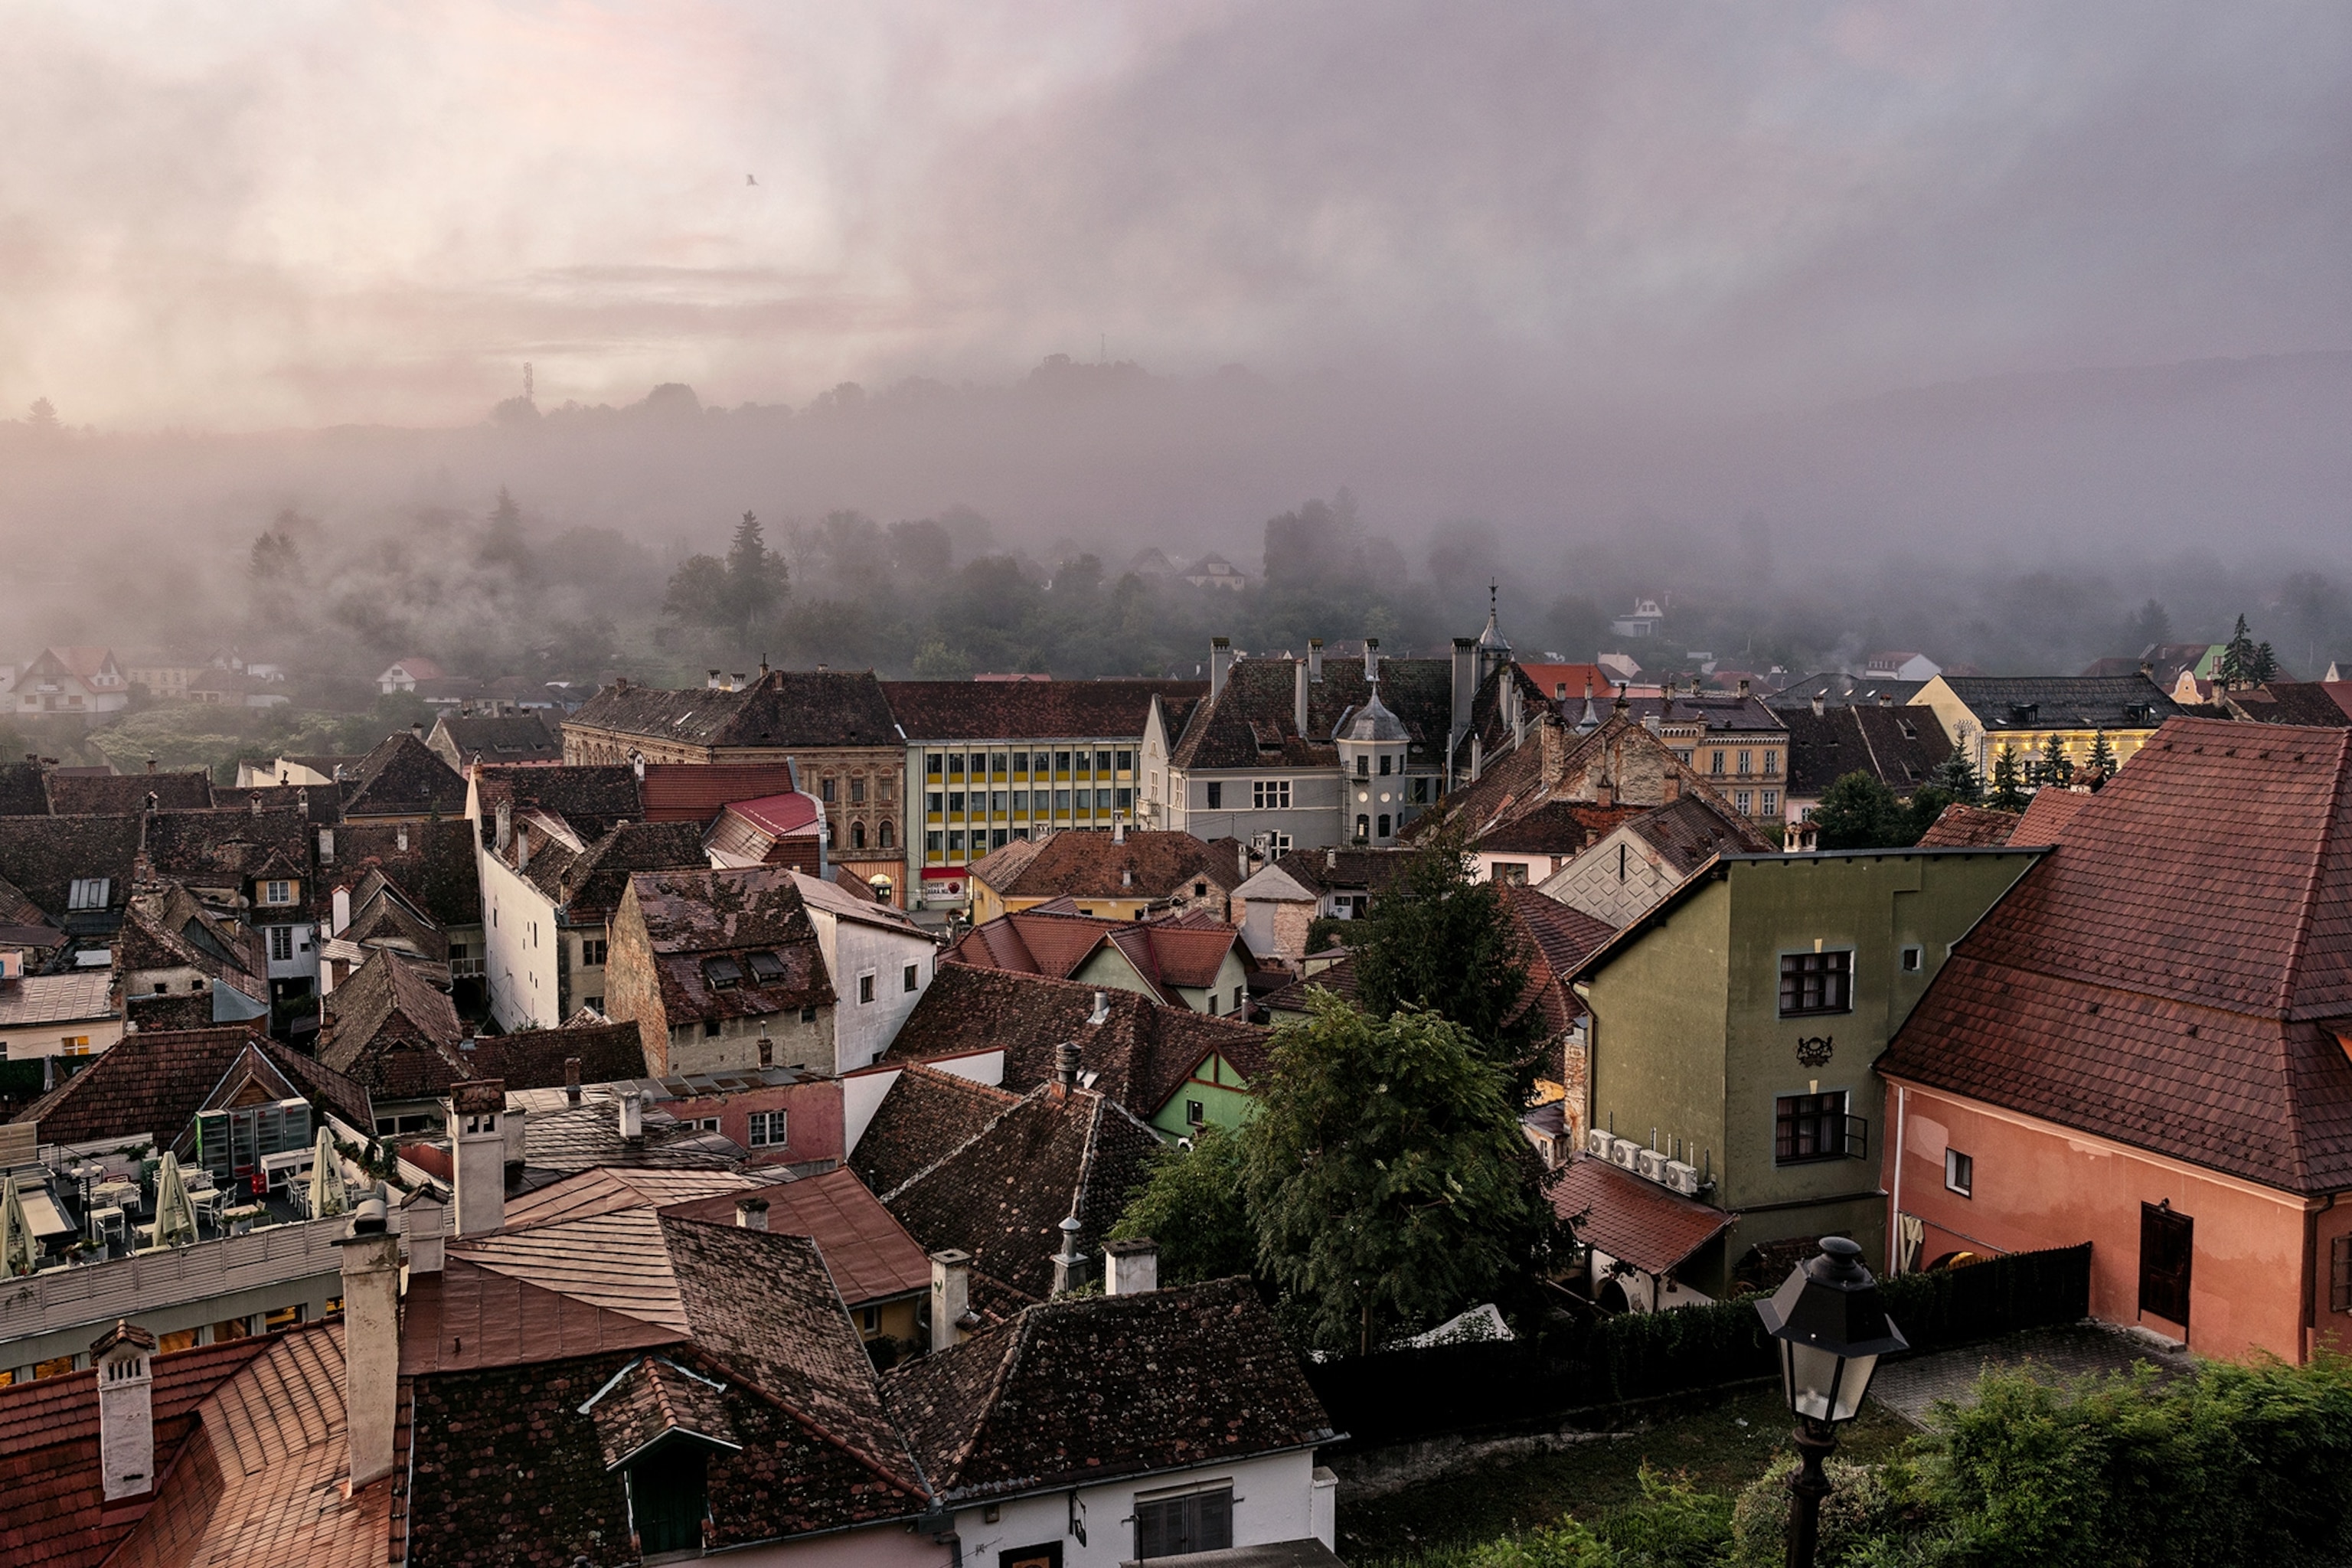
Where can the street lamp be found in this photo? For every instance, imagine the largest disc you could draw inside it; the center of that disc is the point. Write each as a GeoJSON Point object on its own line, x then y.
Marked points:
{"type": "Point", "coordinates": [1832, 1332]}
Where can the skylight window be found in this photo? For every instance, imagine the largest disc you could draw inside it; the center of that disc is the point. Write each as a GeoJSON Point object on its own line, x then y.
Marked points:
{"type": "Point", "coordinates": [88, 894]}
{"type": "Point", "coordinates": [767, 968]}
{"type": "Point", "coordinates": [724, 973]}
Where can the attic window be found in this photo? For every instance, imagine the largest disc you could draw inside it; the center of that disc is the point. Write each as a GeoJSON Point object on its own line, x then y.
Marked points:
{"type": "Point", "coordinates": [723, 973]}
{"type": "Point", "coordinates": [88, 894]}
{"type": "Point", "coordinates": [767, 968]}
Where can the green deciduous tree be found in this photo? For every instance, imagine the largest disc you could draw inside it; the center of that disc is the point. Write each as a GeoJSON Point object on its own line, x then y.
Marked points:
{"type": "Point", "coordinates": [1386, 1177]}
{"type": "Point", "coordinates": [1191, 1203]}
{"type": "Point", "coordinates": [1858, 812]}
{"type": "Point", "coordinates": [1437, 940]}
{"type": "Point", "coordinates": [2008, 791]}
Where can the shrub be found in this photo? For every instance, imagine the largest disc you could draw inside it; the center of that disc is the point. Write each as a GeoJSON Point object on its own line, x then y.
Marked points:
{"type": "Point", "coordinates": [1861, 1508]}
{"type": "Point", "coordinates": [1674, 1525]}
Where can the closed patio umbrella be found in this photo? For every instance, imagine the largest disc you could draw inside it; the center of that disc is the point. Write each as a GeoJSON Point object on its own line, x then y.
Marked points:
{"type": "Point", "coordinates": [175, 1216]}
{"type": "Point", "coordinates": [327, 1195]}
{"type": "Point", "coordinates": [18, 1252]}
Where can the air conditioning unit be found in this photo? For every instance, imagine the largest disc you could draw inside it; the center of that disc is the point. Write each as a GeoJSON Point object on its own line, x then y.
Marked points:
{"type": "Point", "coordinates": [1624, 1153]}
{"type": "Point", "coordinates": [1650, 1165]}
{"type": "Point", "coordinates": [1596, 1142]}
{"type": "Point", "coordinates": [1682, 1177]}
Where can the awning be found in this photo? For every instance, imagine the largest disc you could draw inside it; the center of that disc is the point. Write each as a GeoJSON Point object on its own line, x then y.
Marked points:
{"type": "Point", "coordinates": [1634, 1221]}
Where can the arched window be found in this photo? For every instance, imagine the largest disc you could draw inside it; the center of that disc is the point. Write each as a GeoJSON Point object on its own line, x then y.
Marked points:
{"type": "Point", "coordinates": [888, 838]}
{"type": "Point", "coordinates": [857, 835]}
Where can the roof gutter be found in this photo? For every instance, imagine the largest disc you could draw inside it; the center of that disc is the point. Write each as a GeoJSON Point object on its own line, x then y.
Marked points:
{"type": "Point", "coordinates": [961, 1496]}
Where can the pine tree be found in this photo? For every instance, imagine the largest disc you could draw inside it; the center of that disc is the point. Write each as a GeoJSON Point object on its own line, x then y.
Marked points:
{"type": "Point", "coordinates": [2264, 666]}
{"type": "Point", "coordinates": [2239, 659]}
{"type": "Point", "coordinates": [2057, 767]}
{"type": "Point", "coordinates": [503, 540]}
{"type": "Point", "coordinates": [1958, 778]}
{"type": "Point", "coordinates": [2008, 791]}
{"type": "Point", "coordinates": [2101, 765]}
{"type": "Point", "coordinates": [756, 578]}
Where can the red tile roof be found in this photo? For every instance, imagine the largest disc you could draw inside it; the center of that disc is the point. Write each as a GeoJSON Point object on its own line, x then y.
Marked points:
{"type": "Point", "coordinates": [2047, 815]}
{"type": "Point", "coordinates": [695, 792]}
{"type": "Point", "coordinates": [1628, 1218]}
{"type": "Point", "coordinates": [1187, 952]}
{"type": "Point", "coordinates": [869, 1255]}
{"type": "Point", "coordinates": [2165, 977]}
{"type": "Point", "coordinates": [1963, 826]}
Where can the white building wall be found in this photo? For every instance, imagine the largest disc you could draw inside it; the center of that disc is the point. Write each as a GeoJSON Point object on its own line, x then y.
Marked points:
{"type": "Point", "coordinates": [521, 943]}
{"type": "Point", "coordinates": [852, 950]}
{"type": "Point", "coordinates": [1274, 1500]}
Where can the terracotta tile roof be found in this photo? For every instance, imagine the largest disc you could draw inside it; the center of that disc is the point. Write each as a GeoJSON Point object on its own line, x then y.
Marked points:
{"type": "Point", "coordinates": [1251, 722]}
{"type": "Point", "coordinates": [1556, 764]}
{"type": "Point", "coordinates": [1087, 863]}
{"type": "Point", "coordinates": [1036, 711]}
{"type": "Point", "coordinates": [1961, 826]}
{"type": "Point", "coordinates": [1558, 939]}
{"type": "Point", "coordinates": [653, 1399]}
{"type": "Point", "coordinates": [1087, 1389]}
{"type": "Point", "coordinates": [2047, 815]}
{"type": "Point", "coordinates": [125, 795]}
{"type": "Point", "coordinates": [1628, 1218]}
{"type": "Point", "coordinates": [1057, 945]}
{"type": "Point", "coordinates": [923, 1115]}
{"type": "Point", "coordinates": [869, 1253]}
{"type": "Point", "coordinates": [616, 1262]}
{"type": "Point", "coordinates": [2062, 701]}
{"type": "Point", "coordinates": [148, 1084]}
{"type": "Point", "coordinates": [2168, 976]}
{"type": "Point", "coordinates": [1339, 979]}
{"type": "Point", "coordinates": [1003, 1195]}
{"type": "Point", "coordinates": [403, 777]}
{"type": "Point", "coordinates": [694, 792]}
{"type": "Point", "coordinates": [777, 815]}
{"type": "Point", "coordinates": [436, 871]}
{"type": "Point", "coordinates": [1900, 747]}
{"type": "Point", "coordinates": [606, 1190]}
{"type": "Point", "coordinates": [782, 707]}
{"type": "Point", "coordinates": [468, 1317]}
{"type": "Point", "coordinates": [1140, 1055]}
{"type": "Point", "coordinates": [388, 1025]}
{"type": "Point", "coordinates": [693, 918]}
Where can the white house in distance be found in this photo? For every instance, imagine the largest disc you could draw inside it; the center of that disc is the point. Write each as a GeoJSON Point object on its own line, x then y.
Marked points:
{"type": "Point", "coordinates": [880, 962]}
{"type": "Point", "coordinates": [83, 681]}
{"type": "Point", "coordinates": [1901, 664]}
{"type": "Point", "coordinates": [404, 675]}
{"type": "Point", "coordinates": [1642, 621]}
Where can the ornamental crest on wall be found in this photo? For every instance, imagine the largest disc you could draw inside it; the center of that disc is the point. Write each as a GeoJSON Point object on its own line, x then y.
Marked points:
{"type": "Point", "coordinates": [1813, 1050]}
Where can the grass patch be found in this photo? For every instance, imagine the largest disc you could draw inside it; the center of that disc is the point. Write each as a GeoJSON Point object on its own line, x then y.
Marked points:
{"type": "Point", "coordinates": [1699, 1436]}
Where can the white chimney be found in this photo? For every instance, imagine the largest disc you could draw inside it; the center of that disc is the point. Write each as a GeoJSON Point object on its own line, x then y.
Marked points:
{"type": "Point", "coordinates": [1300, 678]}
{"type": "Point", "coordinates": [1101, 1014]}
{"type": "Point", "coordinates": [400, 838]}
{"type": "Point", "coordinates": [1118, 836]}
{"type": "Point", "coordinates": [343, 911]}
{"type": "Point", "coordinates": [637, 766]}
{"type": "Point", "coordinates": [1221, 661]}
{"type": "Point", "coordinates": [425, 1227]}
{"type": "Point", "coordinates": [712, 684]}
{"type": "Point", "coordinates": [950, 1298]}
{"type": "Point", "coordinates": [370, 1339]}
{"type": "Point", "coordinates": [1314, 662]}
{"type": "Point", "coordinates": [478, 1147]}
{"type": "Point", "coordinates": [751, 1214]}
{"type": "Point", "coordinates": [126, 1415]}
{"type": "Point", "coordinates": [632, 1117]}
{"type": "Point", "coordinates": [1069, 1264]}
{"type": "Point", "coordinates": [1130, 1268]}
{"type": "Point", "coordinates": [326, 845]}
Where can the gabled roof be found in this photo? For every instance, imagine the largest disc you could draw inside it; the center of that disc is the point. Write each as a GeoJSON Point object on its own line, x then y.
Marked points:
{"type": "Point", "coordinates": [1961, 825]}
{"type": "Point", "coordinates": [695, 917]}
{"type": "Point", "coordinates": [124, 794]}
{"type": "Point", "coordinates": [437, 871]}
{"type": "Point", "coordinates": [1139, 1054]}
{"type": "Point", "coordinates": [2062, 701]}
{"type": "Point", "coordinates": [590, 884]}
{"type": "Point", "coordinates": [782, 707]}
{"type": "Point", "coordinates": [1632, 1220]}
{"type": "Point", "coordinates": [228, 849]}
{"type": "Point", "coordinates": [1003, 1195]}
{"type": "Point", "coordinates": [924, 1114]}
{"type": "Point", "coordinates": [1252, 723]}
{"type": "Point", "coordinates": [556, 1143]}
{"type": "Point", "coordinates": [592, 799]}
{"type": "Point", "coordinates": [608, 1189]}
{"type": "Point", "coordinates": [497, 738]}
{"type": "Point", "coordinates": [147, 1085]}
{"type": "Point", "coordinates": [2172, 976]}
{"type": "Point", "coordinates": [2325, 704]}
{"type": "Point", "coordinates": [1048, 941]}
{"type": "Point", "coordinates": [388, 1026]}
{"type": "Point", "coordinates": [1690, 832]}
{"type": "Point", "coordinates": [1320, 871]}
{"type": "Point", "coordinates": [1722, 712]}
{"type": "Point", "coordinates": [870, 1256]}
{"type": "Point", "coordinates": [968, 710]}
{"type": "Point", "coordinates": [45, 856]}
{"type": "Point", "coordinates": [403, 777]}
{"type": "Point", "coordinates": [1838, 689]}
{"type": "Point", "coordinates": [1556, 939]}
{"type": "Point", "coordinates": [1086, 1388]}
{"type": "Point", "coordinates": [1559, 827]}
{"type": "Point", "coordinates": [2047, 815]}
{"type": "Point", "coordinates": [1900, 747]}
{"type": "Point", "coordinates": [1098, 863]}
{"type": "Point", "coordinates": [694, 792]}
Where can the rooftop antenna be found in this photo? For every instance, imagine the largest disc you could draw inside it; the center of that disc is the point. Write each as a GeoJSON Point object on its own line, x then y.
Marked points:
{"type": "Point", "coordinates": [526, 381]}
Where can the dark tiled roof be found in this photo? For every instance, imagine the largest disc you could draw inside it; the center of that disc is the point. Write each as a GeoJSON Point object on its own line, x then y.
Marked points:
{"type": "Point", "coordinates": [436, 871]}
{"type": "Point", "coordinates": [590, 884]}
{"type": "Point", "coordinates": [1558, 939]}
{"type": "Point", "coordinates": [45, 856]}
{"type": "Point", "coordinates": [869, 1255]}
{"type": "Point", "coordinates": [1139, 1054]}
{"type": "Point", "coordinates": [1002, 1196]}
{"type": "Point", "coordinates": [2168, 976]}
{"type": "Point", "coordinates": [403, 777]}
{"type": "Point", "coordinates": [590, 798]}
{"type": "Point", "coordinates": [1036, 709]}
{"type": "Point", "coordinates": [323, 804]}
{"type": "Point", "coordinates": [1838, 689]}
{"type": "Point", "coordinates": [1694, 830]}
{"type": "Point", "coordinates": [148, 1084]}
{"type": "Point", "coordinates": [2313, 702]}
{"type": "Point", "coordinates": [1086, 1388]}
{"type": "Point", "coordinates": [1636, 1221]}
{"type": "Point", "coordinates": [556, 1144]}
{"type": "Point", "coordinates": [24, 790]}
{"type": "Point", "coordinates": [1343, 870]}
{"type": "Point", "coordinates": [502, 738]}
{"type": "Point", "coordinates": [1899, 747]}
{"type": "Point", "coordinates": [388, 1026]}
{"type": "Point", "coordinates": [1723, 712]}
{"type": "Point", "coordinates": [1962, 826]}
{"type": "Point", "coordinates": [923, 1116]}
{"type": "Point", "coordinates": [656, 1398]}
{"type": "Point", "coordinates": [1555, 828]}
{"type": "Point", "coordinates": [782, 707]}
{"type": "Point", "coordinates": [534, 1059]}
{"type": "Point", "coordinates": [1339, 979]}
{"type": "Point", "coordinates": [228, 849]}
{"type": "Point", "coordinates": [694, 917]}
{"type": "Point", "coordinates": [82, 794]}
{"type": "Point", "coordinates": [2062, 701]}
{"type": "Point", "coordinates": [1251, 722]}
{"type": "Point", "coordinates": [1088, 863]}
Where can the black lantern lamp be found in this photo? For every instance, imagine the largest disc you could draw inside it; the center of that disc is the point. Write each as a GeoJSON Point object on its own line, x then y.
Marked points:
{"type": "Point", "coordinates": [1832, 1332]}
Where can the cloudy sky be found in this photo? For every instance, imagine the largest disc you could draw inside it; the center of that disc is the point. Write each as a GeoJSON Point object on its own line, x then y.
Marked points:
{"type": "Point", "coordinates": [241, 216]}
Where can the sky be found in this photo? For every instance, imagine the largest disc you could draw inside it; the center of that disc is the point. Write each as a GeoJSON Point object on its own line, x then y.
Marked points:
{"type": "Point", "coordinates": [229, 218]}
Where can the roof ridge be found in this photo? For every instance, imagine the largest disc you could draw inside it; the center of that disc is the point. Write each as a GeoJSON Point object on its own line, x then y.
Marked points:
{"type": "Point", "coordinates": [1023, 1327]}
{"type": "Point", "coordinates": [2290, 980]}
{"type": "Point", "coordinates": [985, 1128]}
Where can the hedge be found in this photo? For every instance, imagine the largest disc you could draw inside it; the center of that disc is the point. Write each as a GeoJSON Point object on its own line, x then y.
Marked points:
{"type": "Point", "coordinates": [1400, 1395]}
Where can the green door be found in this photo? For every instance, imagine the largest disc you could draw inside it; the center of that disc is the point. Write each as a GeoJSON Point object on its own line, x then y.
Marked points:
{"type": "Point", "coordinates": [665, 1494]}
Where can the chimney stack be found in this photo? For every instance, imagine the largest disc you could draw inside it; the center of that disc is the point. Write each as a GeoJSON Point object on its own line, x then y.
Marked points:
{"type": "Point", "coordinates": [151, 768]}
{"type": "Point", "coordinates": [1065, 1066]}
{"type": "Point", "coordinates": [751, 1214]}
{"type": "Point", "coordinates": [1371, 658]}
{"type": "Point", "coordinates": [950, 1298]}
{"type": "Point", "coordinates": [1820, 705]}
{"type": "Point", "coordinates": [1300, 678]}
{"type": "Point", "coordinates": [633, 1118]}
{"type": "Point", "coordinates": [1069, 1264]}
{"type": "Point", "coordinates": [343, 911]}
{"type": "Point", "coordinates": [425, 1227]}
{"type": "Point", "coordinates": [571, 1079]}
{"type": "Point", "coordinates": [735, 681]}
{"type": "Point", "coordinates": [1118, 836]}
{"type": "Point", "coordinates": [1101, 1014]}
{"type": "Point", "coordinates": [479, 1153]}
{"type": "Point", "coordinates": [1743, 685]}
{"type": "Point", "coordinates": [1126, 875]}
{"type": "Point", "coordinates": [504, 831]}
{"type": "Point", "coordinates": [1314, 658]}
{"type": "Point", "coordinates": [1466, 688]}
{"type": "Point", "coordinates": [126, 1412]}
{"type": "Point", "coordinates": [712, 684]}
{"type": "Point", "coordinates": [370, 1339]}
{"type": "Point", "coordinates": [1221, 661]}
{"type": "Point", "coordinates": [1130, 1268]}
{"type": "Point", "coordinates": [637, 766]}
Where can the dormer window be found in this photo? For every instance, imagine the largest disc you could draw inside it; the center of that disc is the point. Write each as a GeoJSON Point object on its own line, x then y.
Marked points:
{"type": "Point", "coordinates": [724, 973]}
{"type": "Point", "coordinates": [88, 894]}
{"type": "Point", "coordinates": [767, 969]}
{"type": "Point", "coordinates": [277, 892]}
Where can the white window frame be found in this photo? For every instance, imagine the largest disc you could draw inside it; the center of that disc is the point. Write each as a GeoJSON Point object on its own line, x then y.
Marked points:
{"type": "Point", "coordinates": [277, 891]}
{"type": "Point", "coordinates": [1270, 794]}
{"type": "Point", "coordinates": [765, 1130]}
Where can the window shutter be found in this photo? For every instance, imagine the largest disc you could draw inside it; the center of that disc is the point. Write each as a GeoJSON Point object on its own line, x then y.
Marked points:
{"type": "Point", "coordinates": [1151, 1528]}
{"type": "Point", "coordinates": [1214, 1530]}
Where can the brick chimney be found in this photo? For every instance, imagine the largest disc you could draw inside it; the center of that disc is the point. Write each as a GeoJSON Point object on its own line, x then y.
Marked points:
{"type": "Point", "coordinates": [751, 1214]}
{"type": "Point", "coordinates": [1130, 1268]}
{"type": "Point", "coordinates": [126, 1415]}
{"type": "Point", "coordinates": [370, 1339]}
{"type": "Point", "coordinates": [479, 1153]}
{"type": "Point", "coordinates": [571, 1079]}
{"type": "Point", "coordinates": [950, 1298]}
